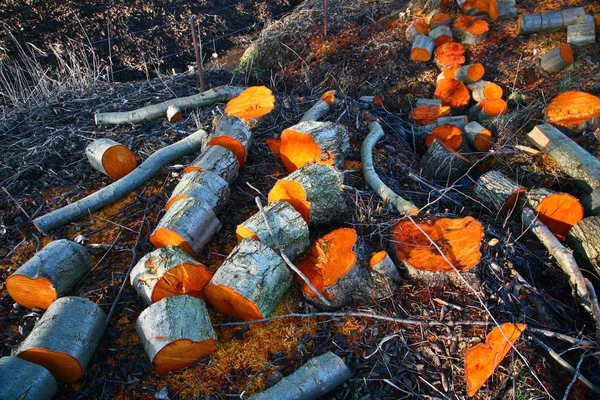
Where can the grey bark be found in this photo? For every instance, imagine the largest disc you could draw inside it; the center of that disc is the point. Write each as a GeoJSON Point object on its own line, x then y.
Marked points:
{"type": "Point", "coordinates": [584, 240]}
{"type": "Point", "coordinates": [220, 161]}
{"type": "Point", "coordinates": [472, 131]}
{"type": "Point", "coordinates": [536, 196]}
{"type": "Point", "coordinates": [495, 189]}
{"type": "Point", "coordinates": [582, 34]}
{"type": "Point", "coordinates": [462, 74]}
{"type": "Point", "coordinates": [72, 326]}
{"type": "Point", "coordinates": [442, 30]}
{"type": "Point", "coordinates": [232, 127]}
{"type": "Point", "coordinates": [423, 42]}
{"type": "Point", "coordinates": [22, 380]}
{"type": "Point", "coordinates": [442, 164]}
{"type": "Point", "coordinates": [411, 33]}
{"type": "Point", "coordinates": [553, 61]}
{"type": "Point", "coordinates": [459, 121]}
{"type": "Point", "coordinates": [477, 90]}
{"type": "Point", "coordinates": [468, 38]}
{"type": "Point", "coordinates": [330, 137]}
{"type": "Point", "coordinates": [317, 111]}
{"type": "Point", "coordinates": [506, 9]}
{"type": "Point", "coordinates": [429, 102]}
{"type": "Point", "coordinates": [591, 203]}
{"type": "Point", "coordinates": [551, 21]}
{"type": "Point", "coordinates": [206, 186]}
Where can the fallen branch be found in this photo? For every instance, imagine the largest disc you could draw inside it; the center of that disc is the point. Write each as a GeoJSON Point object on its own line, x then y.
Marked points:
{"type": "Point", "coordinates": [320, 108]}
{"type": "Point", "coordinates": [387, 195]}
{"type": "Point", "coordinates": [122, 187]}
{"type": "Point", "coordinates": [156, 111]}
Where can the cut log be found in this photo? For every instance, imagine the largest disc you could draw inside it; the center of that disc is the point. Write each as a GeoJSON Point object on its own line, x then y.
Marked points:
{"type": "Point", "coordinates": [450, 135]}
{"type": "Point", "coordinates": [51, 273]}
{"type": "Point", "coordinates": [382, 265]}
{"type": "Point", "coordinates": [417, 27]}
{"type": "Point", "coordinates": [552, 21]}
{"type": "Point", "coordinates": [252, 103]}
{"type": "Point", "coordinates": [429, 102]}
{"type": "Point", "coordinates": [591, 203]}
{"type": "Point", "coordinates": [315, 191]}
{"type": "Point", "coordinates": [557, 59]}
{"type": "Point", "coordinates": [558, 211]}
{"type": "Point", "coordinates": [167, 272]}
{"type": "Point", "coordinates": [448, 54]}
{"type": "Point", "coordinates": [65, 338]}
{"type": "Point", "coordinates": [443, 164]}
{"type": "Point", "coordinates": [583, 34]}
{"type": "Point", "coordinates": [174, 114]}
{"type": "Point", "coordinates": [22, 380]}
{"type": "Point", "coordinates": [289, 228]}
{"type": "Point", "coordinates": [597, 21]}
{"type": "Point", "coordinates": [313, 380]}
{"type": "Point", "coordinates": [428, 114]}
{"type": "Point", "coordinates": [453, 93]}
{"type": "Point", "coordinates": [175, 332]}
{"type": "Point", "coordinates": [485, 90]}
{"type": "Point", "coordinates": [251, 282]}
{"type": "Point", "coordinates": [499, 193]}
{"type": "Point", "coordinates": [218, 160]}
{"type": "Point", "coordinates": [202, 185]}
{"type": "Point", "coordinates": [469, 73]}
{"type": "Point", "coordinates": [572, 159]}
{"type": "Point", "coordinates": [460, 242]}
{"type": "Point", "coordinates": [492, 108]}
{"type": "Point", "coordinates": [375, 101]}
{"type": "Point", "coordinates": [440, 35]}
{"type": "Point", "coordinates": [473, 7]}
{"type": "Point", "coordinates": [422, 48]}
{"type": "Point", "coordinates": [122, 187]}
{"type": "Point", "coordinates": [233, 134]}
{"type": "Point", "coordinates": [448, 73]}
{"type": "Point", "coordinates": [437, 19]}
{"type": "Point", "coordinates": [156, 111]}
{"type": "Point", "coordinates": [503, 10]}
{"type": "Point", "coordinates": [578, 111]}
{"type": "Point", "coordinates": [470, 30]}
{"type": "Point", "coordinates": [110, 158]}
{"type": "Point", "coordinates": [459, 121]}
{"type": "Point", "coordinates": [583, 239]}
{"type": "Point", "coordinates": [321, 107]}
{"type": "Point", "coordinates": [189, 224]}
{"type": "Point", "coordinates": [478, 137]}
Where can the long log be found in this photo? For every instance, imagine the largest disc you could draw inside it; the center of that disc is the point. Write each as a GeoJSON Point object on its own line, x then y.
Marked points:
{"type": "Point", "coordinates": [65, 338]}
{"type": "Point", "coordinates": [551, 21]}
{"type": "Point", "coordinates": [22, 380]}
{"type": "Point", "coordinates": [203, 185]}
{"type": "Point", "coordinates": [316, 378]}
{"type": "Point", "coordinates": [582, 34]}
{"type": "Point", "coordinates": [49, 274]}
{"type": "Point", "coordinates": [122, 187]}
{"type": "Point", "coordinates": [175, 332]}
{"type": "Point", "coordinates": [156, 111]}
{"type": "Point", "coordinates": [443, 164]}
{"type": "Point", "coordinates": [110, 158]}
{"type": "Point", "coordinates": [557, 59]}
{"type": "Point", "coordinates": [218, 160]}
{"type": "Point", "coordinates": [499, 193]}
{"type": "Point", "coordinates": [583, 240]}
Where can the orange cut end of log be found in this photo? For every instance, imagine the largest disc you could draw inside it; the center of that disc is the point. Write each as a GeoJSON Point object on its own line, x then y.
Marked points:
{"type": "Point", "coordinates": [440, 40]}
{"type": "Point", "coordinates": [472, 25]}
{"type": "Point", "coordinates": [418, 54]}
{"type": "Point", "coordinates": [378, 101]}
{"type": "Point", "coordinates": [118, 161]}
{"type": "Point", "coordinates": [421, 26]}
{"type": "Point", "coordinates": [186, 278]}
{"type": "Point", "coordinates": [511, 202]}
{"type": "Point", "coordinates": [493, 108]}
{"type": "Point", "coordinates": [459, 239]}
{"type": "Point", "coordinates": [181, 354]}
{"type": "Point", "coordinates": [479, 5]}
{"type": "Point", "coordinates": [31, 292]}
{"type": "Point", "coordinates": [331, 257]}
{"type": "Point", "coordinates": [493, 11]}
{"type": "Point", "coordinates": [453, 93]}
{"type": "Point", "coordinates": [424, 115]}
{"type": "Point", "coordinates": [231, 144]}
{"type": "Point", "coordinates": [450, 53]}
{"type": "Point", "coordinates": [173, 200]}
{"type": "Point", "coordinates": [572, 108]}
{"type": "Point", "coordinates": [566, 53]}
{"type": "Point", "coordinates": [165, 237]}
{"type": "Point", "coordinates": [229, 302]}
{"type": "Point", "coordinates": [298, 149]}
{"type": "Point", "coordinates": [241, 233]}
{"type": "Point", "coordinates": [482, 360]}
{"type": "Point", "coordinates": [449, 72]}
{"type": "Point", "coordinates": [252, 103]}
{"type": "Point", "coordinates": [191, 169]}
{"type": "Point", "coordinates": [475, 72]}
{"type": "Point", "coordinates": [597, 21]}
{"type": "Point", "coordinates": [450, 135]}
{"type": "Point", "coordinates": [439, 18]}
{"type": "Point", "coordinates": [329, 97]}
{"type": "Point", "coordinates": [64, 367]}
{"type": "Point", "coordinates": [560, 212]}
{"type": "Point", "coordinates": [483, 140]}
{"type": "Point", "coordinates": [293, 193]}
{"type": "Point", "coordinates": [493, 91]}
{"type": "Point", "coordinates": [376, 258]}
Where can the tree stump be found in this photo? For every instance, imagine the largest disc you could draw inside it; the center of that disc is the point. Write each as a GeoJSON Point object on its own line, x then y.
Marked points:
{"type": "Point", "coordinates": [110, 158]}
{"type": "Point", "coordinates": [175, 332]}
{"type": "Point", "coordinates": [575, 110]}
{"type": "Point", "coordinates": [557, 59]}
{"type": "Point", "coordinates": [315, 191]}
{"type": "Point", "coordinates": [22, 380]}
{"type": "Point", "coordinates": [558, 211]}
{"type": "Point", "coordinates": [289, 228]}
{"type": "Point", "coordinates": [416, 28]}
{"type": "Point", "coordinates": [51, 273]}
{"type": "Point", "coordinates": [498, 193]}
{"type": "Point", "coordinates": [448, 54]}
{"type": "Point", "coordinates": [582, 34]}
{"type": "Point", "coordinates": [469, 73]}
{"type": "Point", "coordinates": [443, 164]}
{"type": "Point", "coordinates": [422, 48]}
{"type": "Point", "coordinates": [174, 114]}
{"type": "Point", "coordinates": [478, 137]}
{"type": "Point", "coordinates": [232, 134]}
{"type": "Point", "coordinates": [168, 272]}
{"type": "Point", "coordinates": [206, 186]}
{"type": "Point", "coordinates": [503, 10]}
{"type": "Point", "coordinates": [485, 90]}
{"type": "Point", "coordinates": [583, 240]}
{"type": "Point", "coordinates": [218, 160]}
{"type": "Point", "coordinates": [453, 93]}
{"type": "Point", "coordinates": [65, 338]}
{"type": "Point", "coordinates": [251, 282]}
{"type": "Point", "coordinates": [470, 30]}
{"type": "Point", "coordinates": [552, 21]}
{"type": "Point", "coordinates": [440, 35]}
{"type": "Point", "coordinates": [189, 224]}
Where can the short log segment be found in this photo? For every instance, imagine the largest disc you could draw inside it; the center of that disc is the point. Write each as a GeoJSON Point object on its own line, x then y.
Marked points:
{"type": "Point", "coordinates": [429, 113]}
{"type": "Point", "coordinates": [206, 186]}
{"type": "Point", "coordinates": [315, 191]}
{"type": "Point", "coordinates": [174, 114]}
{"type": "Point", "coordinates": [469, 73]}
{"type": "Point", "coordinates": [498, 193]}
{"type": "Point", "coordinates": [417, 27]}
{"type": "Point", "coordinates": [189, 224]}
{"type": "Point", "coordinates": [289, 228]}
{"type": "Point", "coordinates": [571, 158]}
{"type": "Point", "coordinates": [168, 272]}
{"type": "Point", "coordinates": [22, 380]}
{"type": "Point", "coordinates": [443, 164]}
{"type": "Point", "coordinates": [440, 35]}
{"type": "Point", "coordinates": [110, 158]}
{"type": "Point", "coordinates": [470, 30]}
{"type": "Point", "coordinates": [453, 93]}
{"type": "Point", "coordinates": [51, 273]}
{"type": "Point", "coordinates": [582, 34]}
{"type": "Point", "coordinates": [552, 21]}
{"type": "Point", "coordinates": [422, 48]}
{"type": "Point", "coordinates": [583, 240]}
{"type": "Point", "coordinates": [437, 19]}
{"type": "Point", "coordinates": [218, 160]}
{"type": "Point", "coordinates": [450, 135]}
{"type": "Point", "coordinates": [492, 108]}
{"type": "Point", "coordinates": [503, 10]}
{"type": "Point", "coordinates": [557, 59]}
{"type": "Point", "coordinates": [478, 137]}
{"type": "Point", "coordinates": [578, 111]}
{"type": "Point", "coordinates": [321, 107]}
{"type": "Point", "coordinates": [558, 211]}
{"type": "Point", "coordinates": [460, 121]}
{"type": "Point", "coordinates": [313, 380]}
{"type": "Point", "coordinates": [233, 134]}
{"type": "Point", "coordinates": [448, 73]}
{"type": "Point", "coordinates": [65, 338]}
{"type": "Point", "coordinates": [449, 54]}
{"type": "Point", "coordinates": [485, 90]}
{"type": "Point", "coordinates": [251, 282]}
{"type": "Point", "coordinates": [176, 332]}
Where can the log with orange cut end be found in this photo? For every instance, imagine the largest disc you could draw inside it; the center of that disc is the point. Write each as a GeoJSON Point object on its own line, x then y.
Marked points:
{"type": "Point", "coordinates": [502, 10]}
{"type": "Point", "coordinates": [498, 193]}
{"type": "Point", "coordinates": [253, 102]}
{"type": "Point", "coordinates": [440, 35]}
{"type": "Point", "coordinates": [231, 132]}
{"type": "Point", "coordinates": [428, 114]}
{"type": "Point", "coordinates": [167, 272]}
{"type": "Point", "coordinates": [321, 107]}
{"type": "Point", "coordinates": [203, 185]}
{"type": "Point", "coordinates": [453, 93]}
{"type": "Point", "coordinates": [485, 90]}
{"type": "Point", "coordinates": [216, 159]}
{"type": "Point", "coordinates": [439, 19]}
{"type": "Point", "coordinates": [417, 27]}
{"type": "Point", "coordinates": [422, 48]}
{"type": "Point", "coordinates": [449, 54]}
{"type": "Point", "coordinates": [557, 59]}
{"type": "Point", "coordinates": [575, 110]}
{"type": "Point", "coordinates": [492, 108]}
{"type": "Point", "coordinates": [448, 73]}
{"type": "Point", "coordinates": [175, 332]}
{"type": "Point", "coordinates": [478, 136]}
{"type": "Point", "coordinates": [110, 158]}
{"type": "Point", "coordinates": [469, 73]}
{"type": "Point", "coordinates": [558, 211]}
{"type": "Point", "coordinates": [470, 30]}
{"type": "Point", "coordinates": [450, 135]}
{"type": "Point", "coordinates": [472, 7]}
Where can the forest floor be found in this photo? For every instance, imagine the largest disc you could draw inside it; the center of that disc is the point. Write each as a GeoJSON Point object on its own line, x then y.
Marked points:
{"type": "Point", "coordinates": [43, 167]}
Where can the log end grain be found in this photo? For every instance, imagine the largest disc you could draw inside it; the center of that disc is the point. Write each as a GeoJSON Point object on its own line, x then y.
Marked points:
{"type": "Point", "coordinates": [231, 144]}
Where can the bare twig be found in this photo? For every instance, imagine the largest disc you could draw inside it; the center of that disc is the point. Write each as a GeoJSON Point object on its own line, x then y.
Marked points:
{"type": "Point", "coordinates": [16, 202]}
